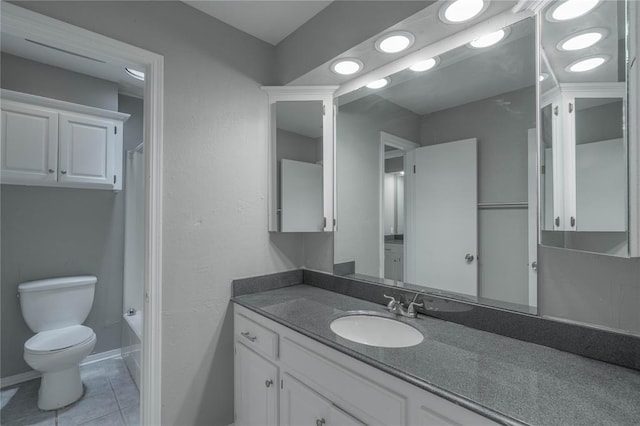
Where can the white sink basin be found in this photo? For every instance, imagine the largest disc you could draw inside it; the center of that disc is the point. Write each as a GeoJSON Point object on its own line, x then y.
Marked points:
{"type": "Point", "coordinates": [376, 331]}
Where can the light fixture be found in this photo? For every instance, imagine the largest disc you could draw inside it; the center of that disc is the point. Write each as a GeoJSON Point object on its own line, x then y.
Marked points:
{"type": "Point", "coordinates": [378, 84]}
{"type": "Point", "coordinates": [395, 42]}
{"type": "Point", "coordinates": [571, 9]}
{"type": "Point", "coordinates": [488, 39]}
{"type": "Point", "coordinates": [346, 66]}
{"type": "Point", "coordinates": [587, 64]}
{"type": "Point", "coordinates": [134, 73]}
{"type": "Point", "coordinates": [461, 10]}
{"type": "Point", "coordinates": [424, 65]}
{"type": "Point", "coordinates": [543, 77]}
{"type": "Point", "coordinates": [582, 40]}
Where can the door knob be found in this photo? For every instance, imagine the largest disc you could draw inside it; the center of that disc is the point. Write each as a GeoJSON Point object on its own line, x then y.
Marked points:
{"type": "Point", "coordinates": [468, 257]}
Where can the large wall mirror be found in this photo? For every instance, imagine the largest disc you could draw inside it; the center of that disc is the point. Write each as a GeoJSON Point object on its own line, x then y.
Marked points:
{"type": "Point", "coordinates": [436, 174]}
{"type": "Point", "coordinates": [584, 129]}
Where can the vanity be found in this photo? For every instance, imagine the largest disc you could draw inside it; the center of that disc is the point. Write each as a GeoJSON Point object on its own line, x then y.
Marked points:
{"type": "Point", "coordinates": [292, 369]}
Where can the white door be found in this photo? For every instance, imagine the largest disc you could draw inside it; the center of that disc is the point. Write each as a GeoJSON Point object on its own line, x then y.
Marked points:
{"type": "Point", "coordinates": [29, 144]}
{"type": "Point", "coordinates": [532, 212]}
{"type": "Point", "coordinates": [256, 389]}
{"type": "Point", "coordinates": [88, 150]}
{"type": "Point", "coordinates": [301, 406]}
{"type": "Point", "coordinates": [446, 217]}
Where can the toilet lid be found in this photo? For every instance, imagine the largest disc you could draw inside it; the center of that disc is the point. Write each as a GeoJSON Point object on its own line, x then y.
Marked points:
{"type": "Point", "coordinates": [61, 338]}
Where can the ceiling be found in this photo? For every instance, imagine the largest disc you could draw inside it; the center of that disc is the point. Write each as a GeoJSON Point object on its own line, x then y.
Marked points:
{"type": "Point", "coordinates": [42, 51]}
{"type": "Point", "coordinates": [270, 21]}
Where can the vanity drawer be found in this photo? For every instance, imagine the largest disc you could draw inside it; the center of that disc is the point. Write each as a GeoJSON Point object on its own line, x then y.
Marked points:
{"type": "Point", "coordinates": [256, 337]}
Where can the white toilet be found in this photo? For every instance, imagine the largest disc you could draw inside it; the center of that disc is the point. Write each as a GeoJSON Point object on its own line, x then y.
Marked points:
{"type": "Point", "coordinates": [55, 309]}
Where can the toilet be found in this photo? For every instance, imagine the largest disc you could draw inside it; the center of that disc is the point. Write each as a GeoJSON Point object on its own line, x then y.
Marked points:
{"type": "Point", "coordinates": [55, 309]}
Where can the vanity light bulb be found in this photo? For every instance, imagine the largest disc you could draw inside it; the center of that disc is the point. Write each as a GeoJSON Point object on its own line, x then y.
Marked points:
{"type": "Point", "coordinates": [581, 41]}
{"type": "Point", "coordinates": [378, 84]}
{"type": "Point", "coordinates": [423, 65]}
{"type": "Point", "coordinates": [346, 67]}
{"type": "Point", "coordinates": [587, 64]}
{"type": "Point", "coordinates": [488, 39]}
{"type": "Point", "coordinates": [571, 9]}
{"type": "Point", "coordinates": [462, 10]}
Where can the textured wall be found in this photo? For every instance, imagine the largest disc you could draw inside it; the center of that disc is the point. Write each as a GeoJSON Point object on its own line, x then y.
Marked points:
{"type": "Point", "coordinates": [215, 187]}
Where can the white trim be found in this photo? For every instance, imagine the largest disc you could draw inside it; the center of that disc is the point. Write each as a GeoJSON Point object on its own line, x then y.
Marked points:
{"type": "Point", "coordinates": [62, 105]}
{"type": "Point", "coordinates": [633, 133]}
{"type": "Point", "coordinates": [403, 145]}
{"type": "Point", "coordinates": [33, 374]}
{"type": "Point", "coordinates": [490, 25]}
{"type": "Point", "coordinates": [25, 23]}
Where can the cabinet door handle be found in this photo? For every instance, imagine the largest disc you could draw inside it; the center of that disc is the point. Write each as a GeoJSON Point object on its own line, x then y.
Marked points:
{"type": "Point", "coordinates": [558, 221]}
{"type": "Point", "coordinates": [320, 422]}
{"type": "Point", "coordinates": [64, 172]}
{"type": "Point", "coordinates": [573, 221]}
{"type": "Point", "coordinates": [51, 170]}
{"type": "Point", "coordinates": [268, 383]}
{"type": "Point", "coordinates": [468, 258]}
{"type": "Point", "coordinates": [248, 336]}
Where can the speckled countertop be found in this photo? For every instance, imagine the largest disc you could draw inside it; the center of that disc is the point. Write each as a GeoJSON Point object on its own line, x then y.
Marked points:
{"type": "Point", "coordinates": [507, 380]}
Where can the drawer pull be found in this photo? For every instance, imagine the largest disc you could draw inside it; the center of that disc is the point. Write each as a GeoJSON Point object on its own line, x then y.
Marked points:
{"type": "Point", "coordinates": [248, 335]}
{"type": "Point", "coordinates": [320, 422]}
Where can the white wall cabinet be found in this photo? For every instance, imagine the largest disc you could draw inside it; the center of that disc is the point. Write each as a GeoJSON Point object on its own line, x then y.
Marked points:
{"type": "Point", "coordinates": [46, 142]}
{"type": "Point", "coordinates": [321, 386]}
{"type": "Point", "coordinates": [393, 262]}
{"type": "Point", "coordinates": [312, 116]}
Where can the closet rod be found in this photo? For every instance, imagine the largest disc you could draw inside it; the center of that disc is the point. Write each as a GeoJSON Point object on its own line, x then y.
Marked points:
{"type": "Point", "coordinates": [522, 205]}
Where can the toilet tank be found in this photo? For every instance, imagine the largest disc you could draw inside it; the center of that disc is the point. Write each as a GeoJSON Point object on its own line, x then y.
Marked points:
{"type": "Point", "coordinates": [56, 302]}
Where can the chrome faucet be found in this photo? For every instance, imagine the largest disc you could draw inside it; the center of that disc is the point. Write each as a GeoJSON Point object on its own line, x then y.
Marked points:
{"type": "Point", "coordinates": [396, 307]}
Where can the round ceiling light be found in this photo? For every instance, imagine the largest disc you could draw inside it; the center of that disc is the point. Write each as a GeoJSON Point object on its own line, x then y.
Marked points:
{"type": "Point", "coordinates": [424, 65]}
{"type": "Point", "coordinates": [488, 39]}
{"type": "Point", "coordinates": [571, 9]}
{"type": "Point", "coordinates": [134, 73]}
{"type": "Point", "coordinates": [395, 42]}
{"type": "Point", "coordinates": [543, 76]}
{"type": "Point", "coordinates": [587, 64]}
{"type": "Point", "coordinates": [581, 41]}
{"type": "Point", "coordinates": [378, 84]}
{"type": "Point", "coordinates": [346, 66]}
{"type": "Point", "coordinates": [461, 10]}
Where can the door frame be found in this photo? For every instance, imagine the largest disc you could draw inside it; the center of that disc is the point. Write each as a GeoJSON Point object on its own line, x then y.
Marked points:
{"type": "Point", "coordinates": [402, 145]}
{"type": "Point", "coordinates": [26, 23]}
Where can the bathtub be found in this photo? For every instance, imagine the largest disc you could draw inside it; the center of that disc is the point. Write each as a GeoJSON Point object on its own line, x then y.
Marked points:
{"type": "Point", "coordinates": [132, 344]}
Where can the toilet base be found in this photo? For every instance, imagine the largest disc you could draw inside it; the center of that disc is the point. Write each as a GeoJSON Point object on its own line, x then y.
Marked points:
{"type": "Point", "coordinates": [60, 388]}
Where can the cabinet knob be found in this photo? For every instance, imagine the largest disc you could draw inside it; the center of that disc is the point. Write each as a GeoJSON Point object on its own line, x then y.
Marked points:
{"type": "Point", "coordinates": [268, 383]}
{"type": "Point", "coordinates": [558, 221]}
{"type": "Point", "coordinates": [51, 171]}
{"type": "Point", "coordinates": [248, 336]}
{"type": "Point", "coordinates": [573, 221]}
{"type": "Point", "coordinates": [64, 172]}
{"type": "Point", "coordinates": [320, 422]}
{"type": "Point", "coordinates": [468, 257]}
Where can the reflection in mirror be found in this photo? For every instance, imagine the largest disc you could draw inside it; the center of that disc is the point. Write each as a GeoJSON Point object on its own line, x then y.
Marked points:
{"type": "Point", "coordinates": [457, 222]}
{"type": "Point", "coordinates": [583, 154]}
{"type": "Point", "coordinates": [299, 156]}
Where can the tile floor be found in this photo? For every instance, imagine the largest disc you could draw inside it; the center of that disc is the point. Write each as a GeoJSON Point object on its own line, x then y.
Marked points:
{"type": "Point", "coordinates": [111, 398]}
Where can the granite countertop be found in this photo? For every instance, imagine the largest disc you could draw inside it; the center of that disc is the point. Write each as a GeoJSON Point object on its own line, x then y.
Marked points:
{"type": "Point", "coordinates": [507, 380]}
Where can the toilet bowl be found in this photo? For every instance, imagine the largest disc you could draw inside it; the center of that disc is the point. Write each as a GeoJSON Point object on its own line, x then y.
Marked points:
{"type": "Point", "coordinates": [55, 309]}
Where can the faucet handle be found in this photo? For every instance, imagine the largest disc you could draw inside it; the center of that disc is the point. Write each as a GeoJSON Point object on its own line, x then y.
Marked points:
{"type": "Point", "coordinates": [392, 301]}
{"type": "Point", "coordinates": [411, 310]}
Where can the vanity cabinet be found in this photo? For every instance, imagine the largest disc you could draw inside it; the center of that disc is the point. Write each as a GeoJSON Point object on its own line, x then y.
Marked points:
{"type": "Point", "coordinates": [46, 142]}
{"type": "Point", "coordinates": [393, 262]}
{"type": "Point", "coordinates": [318, 385]}
{"type": "Point", "coordinates": [301, 133]}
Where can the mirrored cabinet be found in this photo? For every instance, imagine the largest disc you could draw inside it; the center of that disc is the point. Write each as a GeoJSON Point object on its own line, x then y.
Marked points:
{"type": "Point", "coordinates": [301, 158]}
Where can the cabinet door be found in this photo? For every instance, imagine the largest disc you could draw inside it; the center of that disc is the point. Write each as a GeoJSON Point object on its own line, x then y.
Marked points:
{"type": "Point", "coordinates": [88, 150]}
{"type": "Point", "coordinates": [29, 144]}
{"type": "Point", "coordinates": [256, 389]}
{"type": "Point", "coordinates": [301, 406]}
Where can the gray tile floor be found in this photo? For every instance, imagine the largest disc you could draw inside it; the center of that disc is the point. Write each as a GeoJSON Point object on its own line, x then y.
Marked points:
{"type": "Point", "coordinates": [111, 398]}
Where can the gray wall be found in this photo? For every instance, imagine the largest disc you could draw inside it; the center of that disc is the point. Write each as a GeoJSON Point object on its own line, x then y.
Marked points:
{"type": "Point", "coordinates": [358, 176]}
{"type": "Point", "coordinates": [500, 124]}
{"type": "Point", "coordinates": [24, 75]}
{"type": "Point", "coordinates": [49, 232]}
{"type": "Point", "coordinates": [337, 28]}
{"type": "Point", "coordinates": [215, 187]}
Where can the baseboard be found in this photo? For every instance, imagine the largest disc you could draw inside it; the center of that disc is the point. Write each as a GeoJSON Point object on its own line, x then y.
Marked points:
{"type": "Point", "coordinates": [30, 375]}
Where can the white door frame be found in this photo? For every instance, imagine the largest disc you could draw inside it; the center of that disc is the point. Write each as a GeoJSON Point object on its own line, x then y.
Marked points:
{"type": "Point", "coordinates": [25, 23]}
{"type": "Point", "coordinates": [403, 145]}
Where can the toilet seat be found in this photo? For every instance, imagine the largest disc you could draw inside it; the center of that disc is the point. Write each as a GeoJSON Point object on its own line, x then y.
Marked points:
{"type": "Point", "coordinates": [59, 339]}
